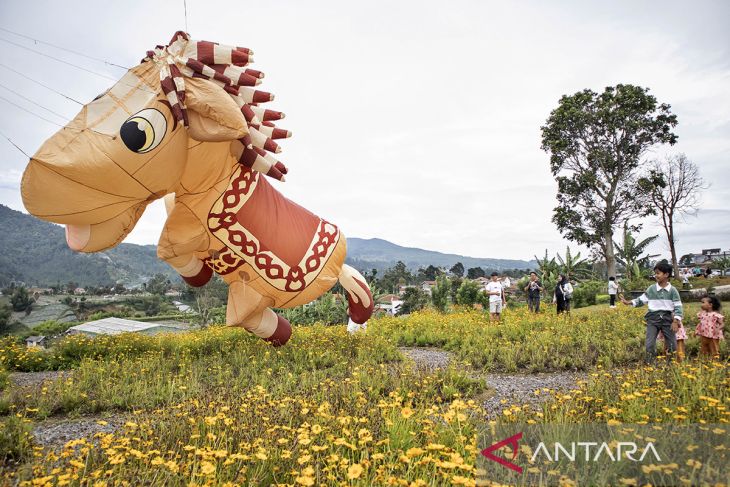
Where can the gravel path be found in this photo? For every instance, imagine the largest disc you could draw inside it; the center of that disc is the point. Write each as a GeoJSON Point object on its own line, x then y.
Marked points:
{"type": "Point", "coordinates": [25, 379]}
{"type": "Point", "coordinates": [514, 388]}
{"type": "Point", "coordinates": [520, 388]}
{"type": "Point", "coordinates": [427, 358]}
{"type": "Point", "coordinates": [54, 433]}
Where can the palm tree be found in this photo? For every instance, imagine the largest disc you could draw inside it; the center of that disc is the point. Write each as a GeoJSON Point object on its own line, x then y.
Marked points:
{"type": "Point", "coordinates": [573, 266]}
{"type": "Point", "coordinates": [630, 253]}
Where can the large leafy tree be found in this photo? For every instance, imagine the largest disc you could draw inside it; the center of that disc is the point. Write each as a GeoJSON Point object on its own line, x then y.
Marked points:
{"type": "Point", "coordinates": [596, 143]}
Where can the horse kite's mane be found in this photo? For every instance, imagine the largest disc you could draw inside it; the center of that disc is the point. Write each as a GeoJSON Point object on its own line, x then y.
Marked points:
{"type": "Point", "coordinates": [224, 66]}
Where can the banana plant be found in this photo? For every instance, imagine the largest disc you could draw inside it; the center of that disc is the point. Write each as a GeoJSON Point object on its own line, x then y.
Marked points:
{"type": "Point", "coordinates": [629, 254]}
{"type": "Point", "coordinates": [573, 266]}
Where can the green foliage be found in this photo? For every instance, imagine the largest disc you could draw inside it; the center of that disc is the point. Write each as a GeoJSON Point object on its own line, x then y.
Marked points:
{"type": "Point", "coordinates": [429, 273]}
{"type": "Point", "coordinates": [440, 293]}
{"type": "Point", "coordinates": [159, 284]}
{"type": "Point", "coordinates": [20, 300]}
{"type": "Point", "coordinates": [573, 266]}
{"type": "Point", "coordinates": [584, 293]}
{"type": "Point", "coordinates": [5, 313]}
{"type": "Point", "coordinates": [468, 293]}
{"type": "Point", "coordinates": [455, 285]}
{"type": "Point", "coordinates": [328, 309]}
{"type": "Point", "coordinates": [414, 299]}
{"type": "Point", "coordinates": [50, 328]}
{"type": "Point", "coordinates": [474, 272]}
{"type": "Point", "coordinates": [457, 269]}
{"type": "Point", "coordinates": [596, 142]}
{"type": "Point", "coordinates": [395, 276]}
{"type": "Point", "coordinates": [207, 299]}
{"type": "Point", "coordinates": [722, 263]}
{"type": "Point", "coordinates": [629, 255]}
{"type": "Point", "coordinates": [15, 440]}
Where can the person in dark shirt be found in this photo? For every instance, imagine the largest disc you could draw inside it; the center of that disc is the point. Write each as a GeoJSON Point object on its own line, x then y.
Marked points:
{"type": "Point", "coordinates": [533, 289]}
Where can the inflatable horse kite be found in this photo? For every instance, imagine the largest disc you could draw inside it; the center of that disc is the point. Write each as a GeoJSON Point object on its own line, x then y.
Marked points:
{"type": "Point", "coordinates": [187, 122]}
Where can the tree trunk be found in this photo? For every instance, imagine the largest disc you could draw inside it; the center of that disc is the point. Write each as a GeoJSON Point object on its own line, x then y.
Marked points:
{"type": "Point", "coordinates": [610, 253]}
{"type": "Point", "coordinates": [667, 221]}
{"type": "Point", "coordinates": [670, 237]}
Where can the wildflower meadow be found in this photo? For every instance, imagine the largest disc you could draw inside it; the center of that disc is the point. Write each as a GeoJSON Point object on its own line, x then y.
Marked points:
{"type": "Point", "coordinates": [221, 407]}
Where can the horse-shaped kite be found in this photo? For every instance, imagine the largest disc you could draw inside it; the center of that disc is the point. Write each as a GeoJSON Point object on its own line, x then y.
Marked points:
{"type": "Point", "coordinates": [187, 121]}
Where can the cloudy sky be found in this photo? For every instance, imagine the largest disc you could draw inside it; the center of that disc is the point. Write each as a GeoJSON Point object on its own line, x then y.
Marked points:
{"type": "Point", "coordinates": [417, 122]}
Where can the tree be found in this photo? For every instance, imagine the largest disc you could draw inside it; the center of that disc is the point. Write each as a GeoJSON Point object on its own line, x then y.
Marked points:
{"type": "Point", "coordinates": [159, 284]}
{"type": "Point", "coordinates": [573, 267]}
{"type": "Point", "coordinates": [440, 293]}
{"type": "Point", "coordinates": [393, 276]}
{"type": "Point", "coordinates": [629, 254]}
{"type": "Point", "coordinates": [676, 194]}
{"type": "Point", "coordinates": [5, 313]}
{"type": "Point", "coordinates": [468, 293]}
{"type": "Point", "coordinates": [429, 273]}
{"type": "Point", "coordinates": [457, 269]}
{"type": "Point", "coordinates": [474, 272]}
{"type": "Point", "coordinates": [547, 268]}
{"type": "Point", "coordinates": [596, 143]}
{"type": "Point", "coordinates": [413, 299]}
{"type": "Point", "coordinates": [20, 300]}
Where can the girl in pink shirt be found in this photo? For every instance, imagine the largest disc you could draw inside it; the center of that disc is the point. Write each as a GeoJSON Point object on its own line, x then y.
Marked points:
{"type": "Point", "coordinates": [710, 326]}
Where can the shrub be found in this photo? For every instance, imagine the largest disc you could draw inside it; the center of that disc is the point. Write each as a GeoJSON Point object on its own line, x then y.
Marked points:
{"type": "Point", "coordinates": [468, 293]}
{"type": "Point", "coordinates": [440, 293]}
{"type": "Point", "coordinates": [584, 293]}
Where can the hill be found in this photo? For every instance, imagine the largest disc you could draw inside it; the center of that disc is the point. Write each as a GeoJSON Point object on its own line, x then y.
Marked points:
{"type": "Point", "coordinates": [376, 253]}
{"type": "Point", "coordinates": [35, 252]}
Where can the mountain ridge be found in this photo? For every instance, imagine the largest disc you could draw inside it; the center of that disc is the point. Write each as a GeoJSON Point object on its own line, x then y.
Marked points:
{"type": "Point", "coordinates": [35, 253]}
{"type": "Point", "coordinates": [377, 253]}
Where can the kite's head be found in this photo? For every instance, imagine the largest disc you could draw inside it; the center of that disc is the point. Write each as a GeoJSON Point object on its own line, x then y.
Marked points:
{"type": "Point", "coordinates": [129, 146]}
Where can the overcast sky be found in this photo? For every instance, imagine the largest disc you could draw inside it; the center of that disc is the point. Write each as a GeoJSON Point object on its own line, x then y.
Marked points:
{"type": "Point", "coordinates": [417, 122]}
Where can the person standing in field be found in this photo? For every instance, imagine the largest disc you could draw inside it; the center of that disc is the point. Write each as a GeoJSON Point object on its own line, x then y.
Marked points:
{"type": "Point", "coordinates": [533, 289]}
{"type": "Point", "coordinates": [563, 294]}
{"type": "Point", "coordinates": [710, 327]}
{"type": "Point", "coordinates": [665, 311]}
{"type": "Point", "coordinates": [496, 297]}
{"type": "Point", "coordinates": [612, 291]}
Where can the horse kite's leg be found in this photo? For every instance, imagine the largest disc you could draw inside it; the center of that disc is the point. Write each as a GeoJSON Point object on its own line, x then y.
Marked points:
{"type": "Point", "coordinates": [249, 309]}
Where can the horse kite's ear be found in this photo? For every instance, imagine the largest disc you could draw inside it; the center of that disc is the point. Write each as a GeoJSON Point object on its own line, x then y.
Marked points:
{"type": "Point", "coordinates": [213, 116]}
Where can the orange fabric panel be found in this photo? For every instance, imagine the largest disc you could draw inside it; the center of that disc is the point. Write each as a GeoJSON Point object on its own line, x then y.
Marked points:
{"type": "Point", "coordinates": [282, 226]}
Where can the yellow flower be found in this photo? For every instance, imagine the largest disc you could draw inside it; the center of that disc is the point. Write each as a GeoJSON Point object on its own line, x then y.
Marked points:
{"type": "Point", "coordinates": [414, 452]}
{"type": "Point", "coordinates": [354, 471]}
{"type": "Point", "coordinates": [304, 480]}
{"type": "Point", "coordinates": [207, 468]}
{"type": "Point", "coordinates": [406, 412]}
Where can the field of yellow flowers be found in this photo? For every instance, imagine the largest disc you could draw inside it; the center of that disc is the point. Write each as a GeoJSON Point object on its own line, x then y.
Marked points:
{"type": "Point", "coordinates": [220, 407]}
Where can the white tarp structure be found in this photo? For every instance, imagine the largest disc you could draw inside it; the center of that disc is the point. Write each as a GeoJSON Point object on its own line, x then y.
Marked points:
{"type": "Point", "coordinates": [115, 326]}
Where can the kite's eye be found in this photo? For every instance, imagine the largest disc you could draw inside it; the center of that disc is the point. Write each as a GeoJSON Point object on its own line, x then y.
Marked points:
{"type": "Point", "coordinates": [144, 130]}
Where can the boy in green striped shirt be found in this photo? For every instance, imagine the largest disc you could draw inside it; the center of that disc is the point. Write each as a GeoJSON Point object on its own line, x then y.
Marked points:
{"type": "Point", "coordinates": [665, 311]}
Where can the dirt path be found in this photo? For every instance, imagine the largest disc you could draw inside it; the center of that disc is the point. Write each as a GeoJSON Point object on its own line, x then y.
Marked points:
{"type": "Point", "coordinates": [514, 388]}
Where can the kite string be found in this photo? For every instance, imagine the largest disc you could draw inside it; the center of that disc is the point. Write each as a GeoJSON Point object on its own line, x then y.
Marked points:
{"type": "Point", "coordinates": [185, 6]}
{"type": "Point", "coordinates": [64, 48]}
{"type": "Point", "coordinates": [39, 83]}
{"type": "Point", "coordinates": [77, 66]}
{"type": "Point", "coordinates": [15, 145]}
{"type": "Point", "coordinates": [63, 117]}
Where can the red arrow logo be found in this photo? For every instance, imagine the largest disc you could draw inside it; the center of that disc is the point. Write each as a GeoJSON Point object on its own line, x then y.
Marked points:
{"type": "Point", "coordinates": [512, 442]}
